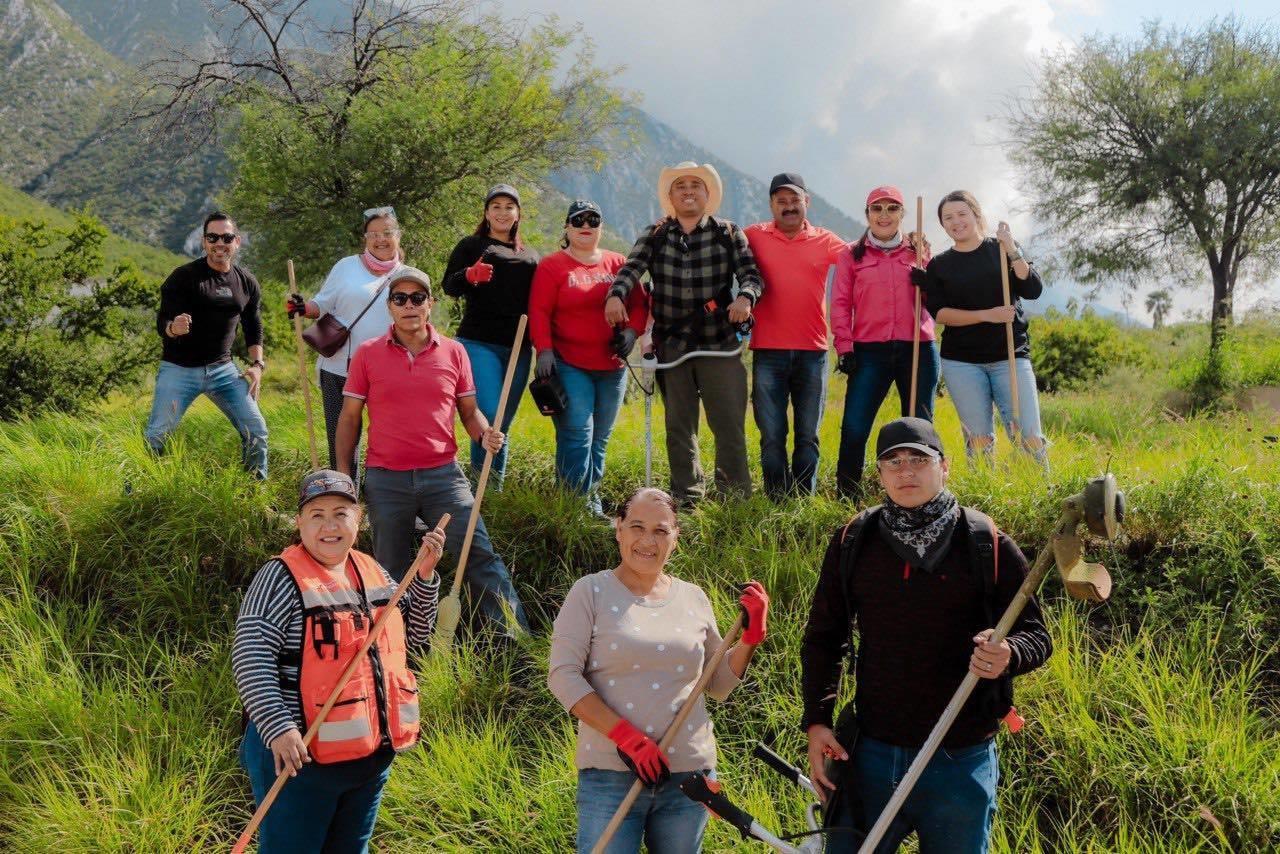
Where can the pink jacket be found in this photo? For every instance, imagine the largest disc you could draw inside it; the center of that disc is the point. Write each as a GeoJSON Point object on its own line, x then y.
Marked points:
{"type": "Point", "coordinates": [874, 300]}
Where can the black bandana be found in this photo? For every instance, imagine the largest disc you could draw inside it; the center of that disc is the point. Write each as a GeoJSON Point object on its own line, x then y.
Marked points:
{"type": "Point", "coordinates": [920, 535]}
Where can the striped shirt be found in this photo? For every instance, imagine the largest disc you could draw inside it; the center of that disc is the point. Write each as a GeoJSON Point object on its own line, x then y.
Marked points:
{"type": "Point", "coordinates": [687, 271]}
{"type": "Point", "coordinates": [270, 625]}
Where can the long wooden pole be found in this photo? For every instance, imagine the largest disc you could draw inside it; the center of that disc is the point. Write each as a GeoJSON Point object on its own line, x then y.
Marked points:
{"type": "Point", "coordinates": [450, 609]}
{"type": "Point", "coordinates": [283, 777]}
{"type": "Point", "coordinates": [1008, 335]}
{"type": "Point", "coordinates": [302, 374]}
{"type": "Point", "coordinates": [915, 333]}
{"type": "Point", "coordinates": [672, 733]}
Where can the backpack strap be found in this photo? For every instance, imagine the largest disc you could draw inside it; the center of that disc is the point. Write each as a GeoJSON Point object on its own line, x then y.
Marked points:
{"type": "Point", "coordinates": [996, 695]}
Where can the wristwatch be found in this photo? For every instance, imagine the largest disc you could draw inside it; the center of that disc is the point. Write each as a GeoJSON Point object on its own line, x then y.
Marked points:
{"type": "Point", "coordinates": [1016, 254]}
{"type": "Point", "coordinates": [259, 364]}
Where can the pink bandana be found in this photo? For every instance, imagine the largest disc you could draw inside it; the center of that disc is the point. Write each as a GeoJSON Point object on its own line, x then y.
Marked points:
{"type": "Point", "coordinates": [377, 265]}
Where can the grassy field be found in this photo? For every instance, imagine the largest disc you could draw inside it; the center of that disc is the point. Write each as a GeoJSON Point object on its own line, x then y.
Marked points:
{"type": "Point", "coordinates": [1153, 729]}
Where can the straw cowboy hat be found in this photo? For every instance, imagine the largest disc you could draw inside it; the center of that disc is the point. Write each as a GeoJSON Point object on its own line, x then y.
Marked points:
{"type": "Point", "coordinates": [706, 173]}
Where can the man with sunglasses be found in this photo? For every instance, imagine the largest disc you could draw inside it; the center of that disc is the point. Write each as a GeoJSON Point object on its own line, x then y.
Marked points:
{"type": "Point", "coordinates": [789, 347]}
{"type": "Point", "coordinates": [413, 381]}
{"type": "Point", "coordinates": [201, 305]}
{"type": "Point", "coordinates": [924, 580]}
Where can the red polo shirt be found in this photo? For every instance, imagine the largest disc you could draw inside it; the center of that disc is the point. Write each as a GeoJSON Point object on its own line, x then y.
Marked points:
{"type": "Point", "coordinates": [792, 311]}
{"type": "Point", "coordinates": [412, 400]}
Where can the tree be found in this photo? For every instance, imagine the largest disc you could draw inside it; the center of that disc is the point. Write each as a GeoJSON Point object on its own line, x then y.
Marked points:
{"type": "Point", "coordinates": [402, 104]}
{"type": "Point", "coordinates": [70, 330]}
{"type": "Point", "coordinates": [1159, 304]}
{"type": "Point", "coordinates": [1145, 155]}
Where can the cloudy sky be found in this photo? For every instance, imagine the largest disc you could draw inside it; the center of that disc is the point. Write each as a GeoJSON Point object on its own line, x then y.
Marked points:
{"type": "Point", "coordinates": [852, 95]}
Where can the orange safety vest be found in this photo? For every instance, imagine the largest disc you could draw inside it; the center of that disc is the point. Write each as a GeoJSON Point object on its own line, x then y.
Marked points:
{"type": "Point", "coordinates": [379, 705]}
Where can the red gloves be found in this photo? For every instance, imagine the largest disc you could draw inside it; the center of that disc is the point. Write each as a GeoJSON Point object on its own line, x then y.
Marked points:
{"type": "Point", "coordinates": [755, 604]}
{"type": "Point", "coordinates": [479, 272]}
{"type": "Point", "coordinates": [641, 754]}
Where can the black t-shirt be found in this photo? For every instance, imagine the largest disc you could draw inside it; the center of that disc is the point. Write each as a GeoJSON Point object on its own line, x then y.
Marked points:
{"type": "Point", "coordinates": [494, 307]}
{"type": "Point", "coordinates": [971, 281]}
{"type": "Point", "coordinates": [217, 303]}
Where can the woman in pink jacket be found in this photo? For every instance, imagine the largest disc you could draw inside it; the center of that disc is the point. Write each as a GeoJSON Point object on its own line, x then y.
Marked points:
{"type": "Point", "coordinates": [873, 319]}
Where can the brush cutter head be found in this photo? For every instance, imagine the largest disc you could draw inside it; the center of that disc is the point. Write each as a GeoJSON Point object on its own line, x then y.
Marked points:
{"type": "Point", "coordinates": [1101, 508]}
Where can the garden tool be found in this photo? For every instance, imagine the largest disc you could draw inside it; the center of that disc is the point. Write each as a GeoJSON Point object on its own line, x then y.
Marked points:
{"type": "Point", "coordinates": [450, 609]}
{"type": "Point", "coordinates": [1100, 506]}
{"type": "Point", "coordinates": [302, 374]}
{"type": "Point", "coordinates": [1008, 337]}
{"type": "Point", "coordinates": [915, 334]}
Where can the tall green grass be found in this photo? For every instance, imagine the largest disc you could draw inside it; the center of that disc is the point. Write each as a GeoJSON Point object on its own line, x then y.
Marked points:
{"type": "Point", "coordinates": [1153, 728]}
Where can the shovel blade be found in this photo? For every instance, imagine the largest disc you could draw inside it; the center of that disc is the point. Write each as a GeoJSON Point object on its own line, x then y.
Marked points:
{"type": "Point", "coordinates": [1089, 582]}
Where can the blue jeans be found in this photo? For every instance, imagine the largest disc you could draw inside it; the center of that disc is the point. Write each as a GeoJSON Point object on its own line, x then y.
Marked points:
{"type": "Point", "coordinates": [489, 367]}
{"type": "Point", "coordinates": [950, 808]}
{"type": "Point", "coordinates": [178, 387]}
{"type": "Point", "coordinates": [667, 821]}
{"type": "Point", "coordinates": [879, 365]}
{"type": "Point", "coordinates": [975, 387]}
{"type": "Point", "coordinates": [327, 808]}
{"type": "Point", "coordinates": [800, 377]}
{"type": "Point", "coordinates": [582, 430]}
{"type": "Point", "coordinates": [396, 498]}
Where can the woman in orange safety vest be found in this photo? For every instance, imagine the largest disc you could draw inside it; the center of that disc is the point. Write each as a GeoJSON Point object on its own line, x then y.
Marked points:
{"type": "Point", "coordinates": [305, 614]}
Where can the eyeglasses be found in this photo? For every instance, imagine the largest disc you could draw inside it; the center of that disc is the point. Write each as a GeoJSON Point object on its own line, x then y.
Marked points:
{"type": "Point", "coordinates": [895, 208]}
{"type": "Point", "coordinates": [591, 219]}
{"type": "Point", "coordinates": [400, 298]}
{"type": "Point", "coordinates": [898, 463]}
{"type": "Point", "coordinates": [210, 237]}
{"type": "Point", "coordinates": [374, 213]}
{"type": "Point", "coordinates": [386, 233]}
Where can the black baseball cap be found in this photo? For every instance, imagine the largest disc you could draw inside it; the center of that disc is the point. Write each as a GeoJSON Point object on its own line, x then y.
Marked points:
{"type": "Point", "coordinates": [502, 190]}
{"type": "Point", "coordinates": [325, 482]}
{"type": "Point", "coordinates": [790, 180]}
{"type": "Point", "coordinates": [582, 206]}
{"type": "Point", "coordinates": [914, 433]}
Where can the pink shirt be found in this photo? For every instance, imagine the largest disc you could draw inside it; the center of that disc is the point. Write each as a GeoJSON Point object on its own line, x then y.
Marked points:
{"type": "Point", "coordinates": [566, 310]}
{"type": "Point", "coordinates": [412, 400]}
{"type": "Point", "coordinates": [792, 311]}
{"type": "Point", "coordinates": [874, 300]}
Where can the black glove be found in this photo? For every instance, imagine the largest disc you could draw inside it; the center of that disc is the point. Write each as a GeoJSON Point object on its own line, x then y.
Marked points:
{"type": "Point", "coordinates": [847, 363]}
{"type": "Point", "coordinates": [919, 277]}
{"type": "Point", "coordinates": [624, 338]}
{"type": "Point", "coordinates": [296, 306]}
{"type": "Point", "coordinates": [546, 363]}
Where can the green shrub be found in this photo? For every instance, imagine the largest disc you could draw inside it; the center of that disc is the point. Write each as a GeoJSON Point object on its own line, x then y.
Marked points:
{"type": "Point", "coordinates": [71, 331]}
{"type": "Point", "coordinates": [1069, 352]}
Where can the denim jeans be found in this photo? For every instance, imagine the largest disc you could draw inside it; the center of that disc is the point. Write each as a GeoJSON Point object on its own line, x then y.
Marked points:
{"type": "Point", "coordinates": [178, 387]}
{"type": "Point", "coordinates": [582, 430]}
{"type": "Point", "coordinates": [950, 809]}
{"type": "Point", "coordinates": [395, 498]}
{"type": "Point", "coordinates": [489, 367]}
{"type": "Point", "coordinates": [879, 365]}
{"type": "Point", "coordinates": [326, 808]}
{"type": "Point", "coordinates": [974, 388]}
{"type": "Point", "coordinates": [779, 377]}
{"type": "Point", "coordinates": [666, 820]}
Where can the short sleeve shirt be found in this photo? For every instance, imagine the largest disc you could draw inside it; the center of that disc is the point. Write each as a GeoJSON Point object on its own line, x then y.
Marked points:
{"type": "Point", "coordinates": [412, 400]}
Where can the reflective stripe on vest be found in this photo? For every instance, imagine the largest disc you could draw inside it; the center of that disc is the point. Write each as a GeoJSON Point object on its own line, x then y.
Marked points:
{"type": "Point", "coordinates": [379, 704]}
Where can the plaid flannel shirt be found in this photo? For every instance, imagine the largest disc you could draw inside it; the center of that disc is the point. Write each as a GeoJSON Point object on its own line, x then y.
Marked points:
{"type": "Point", "coordinates": [687, 271]}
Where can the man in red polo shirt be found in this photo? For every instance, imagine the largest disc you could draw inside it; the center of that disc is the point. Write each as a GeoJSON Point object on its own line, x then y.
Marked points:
{"type": "Point", "coordinates": [789, 345]}
{"type": "Point", "coordinates": [413, 380]}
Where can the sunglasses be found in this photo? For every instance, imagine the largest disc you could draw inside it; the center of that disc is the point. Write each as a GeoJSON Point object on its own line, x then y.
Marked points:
{"type": "Point", "coordinates": [210, 237]}
{"type": "Point", "coordinates": [591, 219]}
{"type": "Point", "coordinates": [400, 298]}
{"type": "Point", "coordinates": [882, 208]}
{"type": "Point", "coordinates": [373, 213]}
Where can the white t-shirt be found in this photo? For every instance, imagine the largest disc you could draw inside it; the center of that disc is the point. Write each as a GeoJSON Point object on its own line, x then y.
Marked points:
{"type": "Point", "coordinates": [344, 294]}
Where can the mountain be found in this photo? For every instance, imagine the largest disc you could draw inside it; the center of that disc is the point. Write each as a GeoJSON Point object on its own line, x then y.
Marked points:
{"type": "Point", "coordinates": [626, 190]}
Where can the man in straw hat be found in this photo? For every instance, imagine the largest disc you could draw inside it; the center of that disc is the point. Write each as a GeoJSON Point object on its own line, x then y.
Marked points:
{"type": "Point", "coordinates": [692, 258]}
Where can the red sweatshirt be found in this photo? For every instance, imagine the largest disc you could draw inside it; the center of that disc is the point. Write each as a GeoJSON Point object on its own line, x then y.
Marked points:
{"type": "Point", "coordinates": [566, 309]}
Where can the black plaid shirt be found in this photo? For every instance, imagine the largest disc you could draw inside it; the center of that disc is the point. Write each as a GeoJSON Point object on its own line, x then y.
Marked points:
{"type": "Point", "coordinates": [688, 271]}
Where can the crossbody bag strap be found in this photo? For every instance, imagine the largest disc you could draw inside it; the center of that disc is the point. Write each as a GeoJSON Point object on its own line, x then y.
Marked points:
{"type": "Point", "coordinates": [364, 311]}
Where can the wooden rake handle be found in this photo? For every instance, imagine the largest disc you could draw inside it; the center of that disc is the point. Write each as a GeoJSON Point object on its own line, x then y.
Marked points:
{"type": "Point", "coordinates": [488, 457]}
{"type": "Point", "coordinates": [673, 731]}
{"type": "Point", "coordinates": [378, 627]}
{"type": "Point", "coordinates": [302, 374]}
{"type": "Point", "coordinates": [1008, 335]}
{"type": "Point", "coordinates": [915, 332]}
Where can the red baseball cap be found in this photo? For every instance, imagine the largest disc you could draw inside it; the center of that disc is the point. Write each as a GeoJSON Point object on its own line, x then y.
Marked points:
{"type": "Point", "coordinates": [891, 193]}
